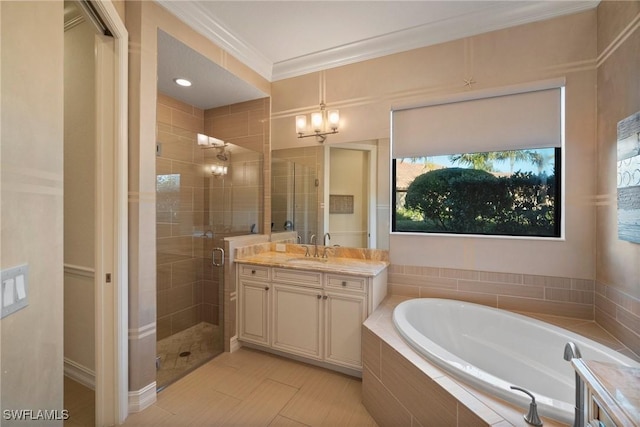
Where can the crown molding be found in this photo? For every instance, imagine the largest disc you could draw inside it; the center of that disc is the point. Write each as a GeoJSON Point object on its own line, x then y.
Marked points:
{"type": "Point", "coordinates": [196, 16]}
{"type": "Point", "coordinates": [486, 20]}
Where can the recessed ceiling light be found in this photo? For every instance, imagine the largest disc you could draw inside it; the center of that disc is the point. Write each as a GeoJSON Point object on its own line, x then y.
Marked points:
{"type": "Point", "coordinates": [182, 82]}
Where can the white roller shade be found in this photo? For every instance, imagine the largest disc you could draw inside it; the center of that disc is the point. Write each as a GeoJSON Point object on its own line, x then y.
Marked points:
{"type": "Point", "coordinates": [499, 123]}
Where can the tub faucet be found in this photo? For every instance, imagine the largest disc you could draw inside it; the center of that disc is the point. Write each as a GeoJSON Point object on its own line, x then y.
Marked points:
{"type": "Point", "coordinates": [530, 417]}
{"type": "Point", "coordinates": [571, 351]}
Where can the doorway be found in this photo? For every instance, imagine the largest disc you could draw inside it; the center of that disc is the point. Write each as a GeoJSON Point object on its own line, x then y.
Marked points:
{"type": "Point", "coordinates": [95, 213]}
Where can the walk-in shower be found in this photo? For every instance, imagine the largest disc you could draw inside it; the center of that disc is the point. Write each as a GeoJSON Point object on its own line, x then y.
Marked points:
{"type": "Point", "coordinates": [204, 194]}
{"type": "Point", "coordinates": [197, 208]}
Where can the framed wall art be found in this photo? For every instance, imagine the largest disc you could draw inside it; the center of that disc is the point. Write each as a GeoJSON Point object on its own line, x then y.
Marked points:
{"type": "Point", "coordinates": [628, 178]}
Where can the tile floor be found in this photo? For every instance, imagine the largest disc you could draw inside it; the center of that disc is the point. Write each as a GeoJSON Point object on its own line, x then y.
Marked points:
{"type": "Point", "coordinates": [202, 341]}
{"type": "Point", "coordinates": [253, 388]}
{"type": "Point", "coordinates": [246, 388]}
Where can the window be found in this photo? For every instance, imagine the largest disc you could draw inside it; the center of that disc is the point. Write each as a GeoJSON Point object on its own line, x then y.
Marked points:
{"type": "Point", "coordinates": [487, 166]}
{"type": "Point", "coordinates": [512, 193]}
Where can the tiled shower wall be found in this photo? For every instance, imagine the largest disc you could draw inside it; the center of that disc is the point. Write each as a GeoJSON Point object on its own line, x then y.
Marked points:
{"type": "Point", "coordinates": [180, 211]}
{"type": "Point", "coordinates": [196, 211]}
{"type": "Point", "coordinates": [245, 124]}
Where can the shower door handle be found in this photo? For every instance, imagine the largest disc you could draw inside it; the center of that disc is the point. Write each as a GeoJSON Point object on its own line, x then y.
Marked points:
{"type": "Point", "coordinates": [213, 257]}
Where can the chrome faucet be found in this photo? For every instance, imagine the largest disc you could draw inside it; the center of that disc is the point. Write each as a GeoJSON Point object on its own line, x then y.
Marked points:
{"type": "Point", "coordinates": [314, 242]}
{"type": "Point", "coordinates": [571, 351]}
{"type": "Point", "coordinates": [530, 417]}
{"type": "Point", "coordinates": [326, 236]}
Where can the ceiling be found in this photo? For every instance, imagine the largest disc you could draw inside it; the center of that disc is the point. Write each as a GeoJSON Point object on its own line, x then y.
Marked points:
{"type": "Point", "coordinates": [282, 39]}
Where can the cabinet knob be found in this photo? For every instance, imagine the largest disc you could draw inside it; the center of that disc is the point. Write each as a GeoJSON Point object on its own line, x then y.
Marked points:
{"type": "Point", "coordinates": [266, 288]}
{"type": "Point", "coordinates": [253, 272]}
{"type": "Point", "coordinates": [319, 296]}
{"type": "Point", "coordinates": [344, 283]}
{"type": "Point", "coordinates": [324, 297]}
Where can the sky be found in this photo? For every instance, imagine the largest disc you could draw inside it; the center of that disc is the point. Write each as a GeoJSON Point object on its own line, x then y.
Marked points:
{"type": "Point", "coordinates": [499, 166]}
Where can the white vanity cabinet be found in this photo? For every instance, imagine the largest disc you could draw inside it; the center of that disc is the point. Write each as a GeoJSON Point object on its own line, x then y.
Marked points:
{"type": "Point", "coordinates": [254, 302]}
{"type": "Point", "coordinates": [297, 320]}
{"type": "Point", "coordinates": [344, 314]}
{"type": "Point", "coordinates": [313, 315]}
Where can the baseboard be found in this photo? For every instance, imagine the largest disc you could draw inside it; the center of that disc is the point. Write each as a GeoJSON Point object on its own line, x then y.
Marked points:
{"type": "Point", "coordinates": [140, 400]}
{"type": "Point", "coordinates": [80, 373]}
{"type": "Point", "coordinates": [234, 344]}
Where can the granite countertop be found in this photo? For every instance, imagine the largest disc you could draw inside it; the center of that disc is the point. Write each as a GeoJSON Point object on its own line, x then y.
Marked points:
{"type": "Point", "coordinates": [331, 264]}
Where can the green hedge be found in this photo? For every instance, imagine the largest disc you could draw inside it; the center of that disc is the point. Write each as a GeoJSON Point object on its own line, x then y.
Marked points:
{"type": "Point", "coordinates": [458, 200]}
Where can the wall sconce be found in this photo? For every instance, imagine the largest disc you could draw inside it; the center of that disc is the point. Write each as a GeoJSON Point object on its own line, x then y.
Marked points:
{"type": "Point", "coordinates": [320, 122]}
{"type": "Point", "coordinates": [218, 170]}
{"type": "Point", "coordinates": [205, 141]}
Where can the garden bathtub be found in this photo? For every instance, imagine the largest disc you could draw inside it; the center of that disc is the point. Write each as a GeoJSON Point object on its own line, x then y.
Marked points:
{"type": "Point", "coordinates": [492, 349]}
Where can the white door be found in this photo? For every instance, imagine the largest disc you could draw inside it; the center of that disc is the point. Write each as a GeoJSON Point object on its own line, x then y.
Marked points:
{"type": "Point", "coordinates": [111, 242]}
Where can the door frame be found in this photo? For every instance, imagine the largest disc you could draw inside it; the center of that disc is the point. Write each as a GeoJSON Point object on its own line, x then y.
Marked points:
{"type": "Point", "coordinates": [372, 190]}
{"type": "Point", "coordinates": [111, 296]}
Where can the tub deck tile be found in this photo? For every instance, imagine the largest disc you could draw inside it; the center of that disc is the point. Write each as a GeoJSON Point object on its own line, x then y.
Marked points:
{"type": "Point", "coordinates": [423, 397]}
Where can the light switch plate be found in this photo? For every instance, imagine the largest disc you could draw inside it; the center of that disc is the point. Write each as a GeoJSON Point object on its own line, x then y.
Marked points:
{"type": "Point", "coordinates": [15, 289]}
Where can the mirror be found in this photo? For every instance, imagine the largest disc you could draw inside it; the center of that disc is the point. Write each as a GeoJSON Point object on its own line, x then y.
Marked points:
{"type": "Point", "coordinates": [327, 188]}
{"type": "Point", "coordinates": [294, 194]}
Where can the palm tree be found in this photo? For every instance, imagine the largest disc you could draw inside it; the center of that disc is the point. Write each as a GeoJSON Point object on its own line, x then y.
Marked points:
{"type": "Point", "coordinates": [518, 155]}
{"type": "Point", "coordinates": [476, 160]}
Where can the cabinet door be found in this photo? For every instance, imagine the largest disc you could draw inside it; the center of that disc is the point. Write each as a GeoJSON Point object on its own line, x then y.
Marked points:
{"type": "Point", "coordinates": [254, 312]}
{"type": "Point", "coordinates": [297, 320]}
{"type": "Point", "coordinates": [344, 315]}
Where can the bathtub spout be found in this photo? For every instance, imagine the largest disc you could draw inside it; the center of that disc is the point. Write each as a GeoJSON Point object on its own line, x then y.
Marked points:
{"type": "Point", "coordinates": [571, 351]}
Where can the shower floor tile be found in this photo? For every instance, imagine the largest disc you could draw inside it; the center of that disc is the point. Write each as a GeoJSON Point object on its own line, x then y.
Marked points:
{"type": "Point", "coordinates": [186, 350]}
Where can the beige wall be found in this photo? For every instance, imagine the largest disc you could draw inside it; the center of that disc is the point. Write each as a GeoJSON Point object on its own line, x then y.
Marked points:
{"type": "Point", "coordinates": [617, 261]}
{"type": "Point", "coordinates": [554, 277]}
{"type": "Point", "coordinates": [32, 201]}
{"type": "Point", "coordinates": [79, 195]}
{"type": "Point", "coordinates": [365, 92]}
{"type": "Point", "coordinates": [143, 19]}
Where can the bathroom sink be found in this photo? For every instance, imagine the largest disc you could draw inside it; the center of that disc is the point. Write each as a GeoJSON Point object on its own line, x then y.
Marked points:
{"type": "Point", "coordinates": [307, 261]}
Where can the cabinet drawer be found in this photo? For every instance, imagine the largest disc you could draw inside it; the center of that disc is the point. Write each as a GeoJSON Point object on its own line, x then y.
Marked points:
{"type": "Point", "coordinates": [351, 283]}
{"type": "Point", "coordinates": [256, 272]}
{"type": "Point", "coordinates": [300, 277]}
